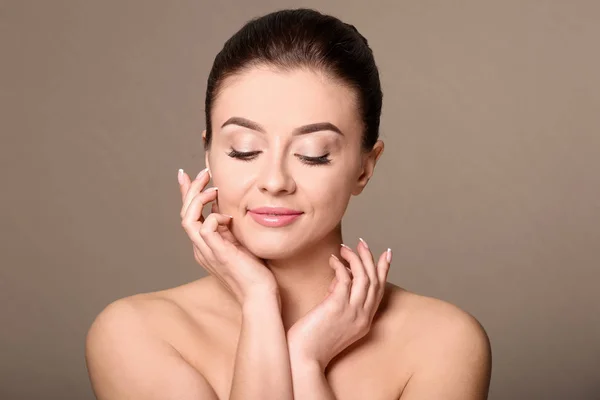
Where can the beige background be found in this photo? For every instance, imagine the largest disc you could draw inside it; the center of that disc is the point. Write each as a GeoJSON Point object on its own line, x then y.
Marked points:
{"type": "Point", "coordinates": [488, 190]}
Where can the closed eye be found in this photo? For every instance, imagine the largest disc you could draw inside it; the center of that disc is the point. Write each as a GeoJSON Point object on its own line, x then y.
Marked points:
{"type": "Point", "coordinates": [243, 155]}
{"type": "Point", "coordinates": [250, 155]}
{"type": "Point", "coordinates": [321, 160]}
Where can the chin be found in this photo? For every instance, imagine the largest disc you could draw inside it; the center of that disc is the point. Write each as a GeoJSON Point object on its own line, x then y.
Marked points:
{"type": "Point", "coordinates": [273, 248]}
{"type": "Point", "coordinates": [271, 244]}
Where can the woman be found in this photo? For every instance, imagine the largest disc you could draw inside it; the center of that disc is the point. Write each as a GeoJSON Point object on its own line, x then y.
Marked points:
{"type": "Point", "coordinates": [293, 105]}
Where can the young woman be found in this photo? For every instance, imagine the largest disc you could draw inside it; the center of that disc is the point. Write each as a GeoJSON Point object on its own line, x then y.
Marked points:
{"type": "Point", "coordinates": [287, 311]}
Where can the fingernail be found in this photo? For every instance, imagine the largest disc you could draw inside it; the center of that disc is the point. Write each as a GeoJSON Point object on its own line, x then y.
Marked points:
{"type": "Point", "coordinates": [388, 256]}
{"type": "Point", "coordinates": [180, 176]}
{"type": "Point", "coordinates": [343, 245]}
{"type": "Point", "coordinates": [201, 173]}
{"type": "Point", "coordinates": [210, 189]}
{"type": "Point", "coordinates": [363, 241]}
{"type": "Point", "coordinates": [227, 215]}
{"type": "Point", "coordinates": [333, 255]}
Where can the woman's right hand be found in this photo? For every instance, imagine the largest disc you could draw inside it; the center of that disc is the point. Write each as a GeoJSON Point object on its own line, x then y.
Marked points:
{"type": "Point", "coordinates": [215, 246]}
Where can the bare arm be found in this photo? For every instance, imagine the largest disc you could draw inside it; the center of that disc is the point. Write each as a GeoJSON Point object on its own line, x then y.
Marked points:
{"type": "Point", "coordinates": [343, 317]}
{"type": "Point", "coordinates": [262, 365]}
{"type": "Point", "coordinates": [309, 380]}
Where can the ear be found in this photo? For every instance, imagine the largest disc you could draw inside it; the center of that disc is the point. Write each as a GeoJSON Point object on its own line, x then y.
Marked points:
{"type": "Point", "coordinates": [368, 167]}
{"type": "Point", "coordinates": [206, 152]}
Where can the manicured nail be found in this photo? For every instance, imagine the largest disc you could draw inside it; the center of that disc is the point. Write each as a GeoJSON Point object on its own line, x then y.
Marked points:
{"type": "Point", "coordinates": [388, 256]}
{"type": "Point", "coordinates": [363, 241]}
{"type": "Point", "coordinates": [180, 176]}
{"type": "Point", "coordinates": [227, 215]}
{"type": "Point", "coordinates": [209, 174]}
{"type": "Point", "coordinates": [201, 173]}
{"type": "Point", "coordinates": [210, 189]}
{"type": "Point", "coordinates": [343, 245]}
{"type": "Point", "coordinates": [333, 255]}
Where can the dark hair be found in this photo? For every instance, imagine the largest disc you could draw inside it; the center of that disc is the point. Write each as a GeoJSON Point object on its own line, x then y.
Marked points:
{"type": "Point", "coordinates": [290, 39]}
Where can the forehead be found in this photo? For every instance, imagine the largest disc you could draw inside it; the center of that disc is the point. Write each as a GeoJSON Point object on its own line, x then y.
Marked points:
{"type": "Point", "coordinates": [286, 99]}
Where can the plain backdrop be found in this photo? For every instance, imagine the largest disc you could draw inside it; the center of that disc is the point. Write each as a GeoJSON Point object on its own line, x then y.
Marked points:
{"type": "Point", "coordinates": [488, 190]}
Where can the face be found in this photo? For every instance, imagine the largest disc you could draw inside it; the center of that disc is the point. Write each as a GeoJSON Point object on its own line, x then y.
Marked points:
{"type": "Point", "coordinates": [290, 140]}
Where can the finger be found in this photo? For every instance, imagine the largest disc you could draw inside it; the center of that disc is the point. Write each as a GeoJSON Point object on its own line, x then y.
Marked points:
{"type": "Point", "coordinates": [360, 279]}
{"type": "Point", "coordinates": [224, 230]}
{"type": "Point", "coordinates": [184, 183]}
{"type": "Point", "coordinates": [220, 248]}
{"type": "Point", "coordinates": [202, 252]}
{"type": "Point", "coordinates": [369, 264]}
{"type": "Point", "coordinates": [193, 213]}
{"type": "Point", "coordinates": [382, 271]}
{"type": "Point", "coordinates": [193, 189]}
{"type": "Point", "coordinates": [341, 290]}
{"type": "Point", "coordinates": [192, 222]}
{"type": "Point", "coordinates": [383, 266]}
{"type": "Point", "coordinates": [215, 207]}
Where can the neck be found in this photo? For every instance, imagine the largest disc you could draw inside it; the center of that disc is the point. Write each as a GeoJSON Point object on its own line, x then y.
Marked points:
{"type": "Point", "coordinates": [304, 279]}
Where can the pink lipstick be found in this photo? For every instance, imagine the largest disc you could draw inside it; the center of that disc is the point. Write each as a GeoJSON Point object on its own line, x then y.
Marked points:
{"type": "Point", "coordinates": [274, 217]}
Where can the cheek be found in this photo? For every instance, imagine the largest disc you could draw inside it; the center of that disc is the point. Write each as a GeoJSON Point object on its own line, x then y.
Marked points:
{"type": "Point", "coordinates": [329, 198]}
{"type": "Point", "coordinates": [231, 192]}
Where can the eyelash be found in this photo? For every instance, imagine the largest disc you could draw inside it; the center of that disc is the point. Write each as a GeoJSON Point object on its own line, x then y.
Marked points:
{"type": "Point", "coordinates": [250, 155]}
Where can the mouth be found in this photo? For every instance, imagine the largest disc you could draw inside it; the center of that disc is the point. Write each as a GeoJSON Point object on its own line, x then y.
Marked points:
{"type": "Point", "coordinates": [274, 211]}
{"type": "Point", "coordinates": [274, 217]}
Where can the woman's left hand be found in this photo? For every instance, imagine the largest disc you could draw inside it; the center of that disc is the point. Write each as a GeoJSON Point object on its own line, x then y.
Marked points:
{"type": "Point", "coordinates": [345, 315]}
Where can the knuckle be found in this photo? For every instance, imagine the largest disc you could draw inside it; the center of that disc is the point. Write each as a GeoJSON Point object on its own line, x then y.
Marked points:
{"type": "Point", "coordinates": [209, 219]}
{"type": "Point", "coordinates": [203, 232]}
{"type": "Point", "coordinates": [362, 321]}
{"type": "Point", "coordinates": [362, 331]}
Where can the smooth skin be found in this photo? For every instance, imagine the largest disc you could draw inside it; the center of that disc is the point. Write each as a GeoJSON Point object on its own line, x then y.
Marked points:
{"type": "Point", "coordinates": [284, 312]}
{"type": "Point", "coordinates": [343, 317]}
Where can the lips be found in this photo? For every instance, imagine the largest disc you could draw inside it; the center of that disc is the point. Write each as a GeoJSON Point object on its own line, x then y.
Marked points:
{"type": "Point", "coordinates": [275, 211]}
{"type": "Point", "coordinates": [274, 217]}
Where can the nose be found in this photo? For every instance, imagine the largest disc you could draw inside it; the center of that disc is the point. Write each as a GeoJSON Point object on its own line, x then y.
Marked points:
{"type": "Point", "coordinates": [275, 178]}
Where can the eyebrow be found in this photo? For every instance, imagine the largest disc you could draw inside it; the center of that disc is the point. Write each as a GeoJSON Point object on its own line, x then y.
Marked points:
{"type": "Point", "coordinates": [302, 130]}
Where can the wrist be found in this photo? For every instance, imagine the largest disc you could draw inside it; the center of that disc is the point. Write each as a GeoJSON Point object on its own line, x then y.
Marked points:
{"type": "Point", "coordinates": [305, 364]}
{"type": "Point", "coordinates": [300, 358]}
{"type": "Point", "coordinates": [261, 301]}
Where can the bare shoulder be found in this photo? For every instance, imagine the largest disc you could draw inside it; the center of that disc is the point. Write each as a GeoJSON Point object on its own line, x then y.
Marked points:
{"type": "Point", "coordinates": [435, 318]}
{"type": "Point", "coordinates": [129, 356]}
{"type": "Point", "coordinates": [448, 348]}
